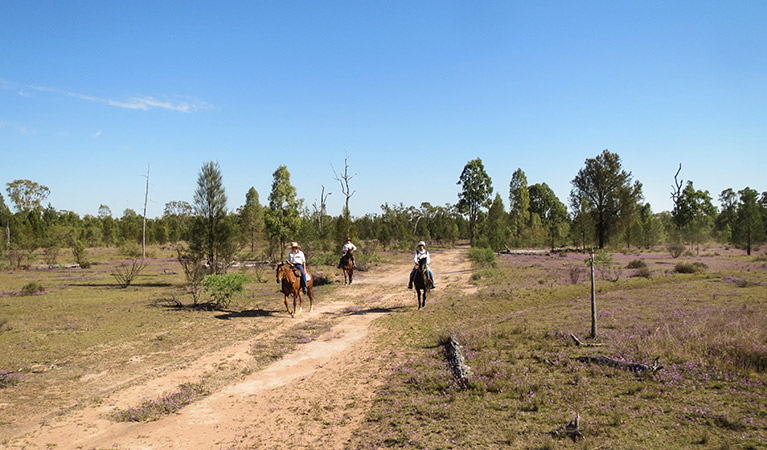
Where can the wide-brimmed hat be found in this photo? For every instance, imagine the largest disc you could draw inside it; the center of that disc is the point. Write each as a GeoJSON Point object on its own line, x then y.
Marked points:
{"type": "Point", "coordinates": [294, 245]}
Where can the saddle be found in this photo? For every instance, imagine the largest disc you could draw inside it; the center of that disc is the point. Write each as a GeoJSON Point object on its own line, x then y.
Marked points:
{"type": "Point", "coordinates": [296, 272]}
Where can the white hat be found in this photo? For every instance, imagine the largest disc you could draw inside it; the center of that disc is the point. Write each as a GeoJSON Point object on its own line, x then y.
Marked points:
{"type": "Point", "coordinates": [294, 245]}
{"type": "Point", "coordinates": [420, 243]}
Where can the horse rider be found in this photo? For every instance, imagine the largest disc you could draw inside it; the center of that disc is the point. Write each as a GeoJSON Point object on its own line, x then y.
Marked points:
{"type": "Point", "coordinates": [296, 258]}
{"type": "Point", "coordinates": [420, 254]}
{"type": "Point", "coordinates": [346, 247]}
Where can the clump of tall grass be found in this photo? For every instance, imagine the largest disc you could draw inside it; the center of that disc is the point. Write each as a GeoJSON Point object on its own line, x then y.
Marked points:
{"type": "Point", "coordinates": [636, 264]}
{"type": "Point", "coordinates": [32, 288]}
{"type": "Point", "coordinates": [687, 267]}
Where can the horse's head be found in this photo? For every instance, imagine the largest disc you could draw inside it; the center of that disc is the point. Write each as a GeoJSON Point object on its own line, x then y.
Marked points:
{"type": "Point", "coordinates": [422, 263]}
{"type": "Point", "coordinates": [280, 272]}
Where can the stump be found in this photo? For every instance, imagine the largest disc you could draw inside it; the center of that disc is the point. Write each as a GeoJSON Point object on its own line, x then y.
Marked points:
{"type": "Point", "coordinates": [455, 357]}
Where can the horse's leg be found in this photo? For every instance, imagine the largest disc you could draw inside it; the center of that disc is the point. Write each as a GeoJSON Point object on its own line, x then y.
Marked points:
{"type": "Point", "coordinates": [351, 274]}
{"type": "Point", "coordinates": [423, 304]}
{"type": "Point", "coordinates": [288, 307]}
{"type": "Point", "coordinates": [300, 302]}
{"type": "Point", "coordinates": [310, 294]}
{"type": "Point", "coordinates": [418, 299]}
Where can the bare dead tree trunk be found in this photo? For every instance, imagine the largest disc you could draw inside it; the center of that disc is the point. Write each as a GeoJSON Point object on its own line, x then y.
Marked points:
{"type": "Point", "coordinates": [676, 194]}
{"type": "Point", "coordinates": [321, 210]}
{"type": "Point", "coordinates": [344, 181]}
{"type": "Point", "coordinates": [146, 200]}
{"type": "Point", "coordinates": [593, 300]}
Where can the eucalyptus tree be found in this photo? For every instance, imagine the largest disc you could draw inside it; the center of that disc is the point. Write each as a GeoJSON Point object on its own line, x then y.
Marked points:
{"type": "Point", "coordinates": [27, 195]}
{"type": "Point", "coordinates": [607, 190]}
{"type": "Point", "coordinates": [749, 227]}
{"type": "Point", "coordinates": [694, 213]}
{"type": "Point", "coordinates": [519, 205]}
{"type": "Point", "coordinates": [476, 188]}
{"type": "Point", "coordinates": [552, 212]}
{"type": "Point", "coordinates": [282, 218]}
{"type": "Point", "coordinates": [252, 218]}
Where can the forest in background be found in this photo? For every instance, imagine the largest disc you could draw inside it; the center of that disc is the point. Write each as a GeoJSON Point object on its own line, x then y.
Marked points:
{"type": "Point", "coordinates": [606, 208]}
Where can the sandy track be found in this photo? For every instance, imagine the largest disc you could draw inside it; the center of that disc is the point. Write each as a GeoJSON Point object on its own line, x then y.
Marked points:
{"type": "Point", "coordinates": [314, 397]}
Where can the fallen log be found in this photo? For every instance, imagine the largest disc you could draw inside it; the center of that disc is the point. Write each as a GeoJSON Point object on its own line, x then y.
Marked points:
{"type": "Point", "coordinates": [633, 367]}
{"type": "Point", "coordinates": [457, 361]}
{"type": "Point", "coordinates": [584, 344]}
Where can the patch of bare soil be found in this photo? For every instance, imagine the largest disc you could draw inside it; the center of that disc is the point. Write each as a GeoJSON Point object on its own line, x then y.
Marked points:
{"type": "Point", "coordinates": [314, 397]}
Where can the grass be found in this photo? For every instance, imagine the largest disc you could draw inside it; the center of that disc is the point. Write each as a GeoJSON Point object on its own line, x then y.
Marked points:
{"type": "Point", "coordinates": [708, 332]}
{"type": "Point", "coordinates": [707, 328]}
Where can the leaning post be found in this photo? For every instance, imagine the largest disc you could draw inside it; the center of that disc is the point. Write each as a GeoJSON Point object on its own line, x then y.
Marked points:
{"type": "Point", "coordinates": [593, 300]}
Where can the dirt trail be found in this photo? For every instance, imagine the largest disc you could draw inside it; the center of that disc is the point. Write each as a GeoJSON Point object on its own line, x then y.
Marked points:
{"type": "Point", "coordinates": [314, 397]}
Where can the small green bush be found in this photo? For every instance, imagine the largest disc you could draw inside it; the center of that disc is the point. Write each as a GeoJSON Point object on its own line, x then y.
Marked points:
{"type": "Point", "coordinates": [483, 257]}
{"type": "Point", "coordinates": [636, 264]}
{"type": "Point", "coordinates": [223, 287]}
{"type": "Point", "coordinates": [686, 267]}
{"type": "Point", "coordinates": [81, 254]}
{"type": "Point", "coordinates": [32, 288]}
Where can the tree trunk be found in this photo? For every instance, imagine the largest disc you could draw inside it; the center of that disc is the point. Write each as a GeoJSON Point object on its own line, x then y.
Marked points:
{"type": "Point", "coordinates": [593, 300]}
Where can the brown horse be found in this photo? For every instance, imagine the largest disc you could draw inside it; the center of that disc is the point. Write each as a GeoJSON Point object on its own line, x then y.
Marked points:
{"type": "Point", "coordinates": [347, 266]}
{"type": "Point", "coordinates": [291, 285]}
{"type": "Point", "coordinates": [422, 282]}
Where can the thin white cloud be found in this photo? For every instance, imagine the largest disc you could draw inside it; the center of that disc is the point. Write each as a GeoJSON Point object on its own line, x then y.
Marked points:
{"type": "Point", "coordinates": [140, 103]}
{"type": "Point", "coordinates": [97, 134]}
{"type": "Point", "coordinates": [20, 128]}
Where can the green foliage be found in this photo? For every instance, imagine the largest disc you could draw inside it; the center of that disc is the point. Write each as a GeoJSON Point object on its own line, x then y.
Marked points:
{"type": "Point", "coordinates": [213, 232]}
{"type": "Point", "coordinates": [282, 218]}
{"type": "Point", "coordinates": [476, 188]}
{"type": "Point", "coordinates": [636, 264]}
{"type": "Point", "coordinates": [222, 288]}
{"type": "Point", "coordinates": [32, 288]}
{"type": "Point", "coordinates": [607, 191]}
{"type": "Point", "coordinates": [687, 267]}
{"type": "Point", "coordinates": [483, 257]}
{"type": "Point", "coordinates": [252, 219]}
{"type": "Point", "coordinates": [27, 195]}
{"type": "Point", "coordinates": [81, 254]}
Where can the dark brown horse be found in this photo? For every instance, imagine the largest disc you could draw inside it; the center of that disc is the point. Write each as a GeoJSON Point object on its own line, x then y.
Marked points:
{"type": "Point", "coordinates": [347, 266]}
{"type": "Point", "coordinates": [422, 282]}
{"type": "Point", "coordinates": [291, 285]}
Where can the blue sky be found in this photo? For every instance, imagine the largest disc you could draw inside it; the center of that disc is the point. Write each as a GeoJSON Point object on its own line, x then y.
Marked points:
{"type": "Point", "coordinates": [91, 92]}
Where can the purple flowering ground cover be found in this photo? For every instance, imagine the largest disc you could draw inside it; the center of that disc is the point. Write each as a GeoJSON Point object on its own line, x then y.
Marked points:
{"type": "Point", "coordinates": [708, 330]}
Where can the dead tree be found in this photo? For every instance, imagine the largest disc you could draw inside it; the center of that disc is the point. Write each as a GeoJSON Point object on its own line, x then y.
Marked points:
{"type": "Point", "coordinates": [457, 361]}
{"type": "Point", "coordinates": [321, 210]}
{"type": "Point", "coordinates": [344, 181]}
{"type": "Point", "coordinates": [146, 200]}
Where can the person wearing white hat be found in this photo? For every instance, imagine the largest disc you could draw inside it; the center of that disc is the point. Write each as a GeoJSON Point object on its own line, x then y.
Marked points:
{"type": "Point", "coordinates": [296, 258]}
{"type": "Point", "coordinates": [420, 254]}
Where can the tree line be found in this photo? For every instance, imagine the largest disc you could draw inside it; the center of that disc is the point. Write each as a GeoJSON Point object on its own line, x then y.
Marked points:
{"type": "Point", "coordinates": [605, 208]}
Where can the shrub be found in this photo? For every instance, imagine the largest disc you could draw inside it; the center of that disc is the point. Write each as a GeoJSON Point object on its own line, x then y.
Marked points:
{"type": "Point", "coordinates": [686, 267]}
{"type": "Point", "coordinates": [32, 288]}
{"type": "Point", "coordinates": [483, 257]}
{"type": "Point", "coordinates": [223, 287]}
{"type": "Point", "coordinates": [676, 249]}
{"type": "Point", "coordinates": [130, 249]}
{"type": "Point", "coordinates": [636, 264]}
{"type": "Point", "coordinates": [643, 272]}
{"type": "Point", "coordinates": [81, 254]}
{"type": "Point", "coordinates": [575, 272]}
{"type": "Point", "coordinates": [125, 273]}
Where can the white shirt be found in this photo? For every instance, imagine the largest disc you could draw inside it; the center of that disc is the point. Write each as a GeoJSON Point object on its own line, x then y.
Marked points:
{"type": "Point", "coordinates": [422, 254]}
{"type": "Point", "coordinates": [297, 257]}
{"type": "Point", "coordinates": [348, 246]}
